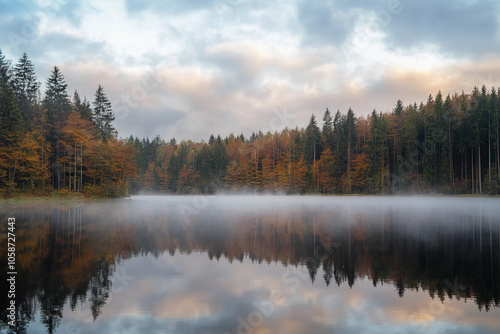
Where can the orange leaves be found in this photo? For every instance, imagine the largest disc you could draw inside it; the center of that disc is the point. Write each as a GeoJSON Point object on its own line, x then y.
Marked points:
{"type": "Point", "coordinates": [359, 174]}
{"type": "Point", "coordinates": [268, 173]}
{"type": "Point", "coordinates": [300, 171]}
{"type": "Point", "coordinates": [324, 172]}
{"type": "Point", "coordinates": [188, 179]}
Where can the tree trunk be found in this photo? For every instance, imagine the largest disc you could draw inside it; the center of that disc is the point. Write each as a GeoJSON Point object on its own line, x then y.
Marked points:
{"type": "Point", "coordinates": [498, 146]}
{"type": "Point", "coordinates": [472, 169]}
{"type": "Point", "coordinates": [416, 167]}
{"type": "Point", "coordinates": [349, 158]}
{"type": "Point", "coordinates": [394, 166]}
{"type": "Point", "coordinates": [489, 145]}
{"type": "Point", "coordinates": [450, 154]}
{"type": "Point", "coordinates": [382, 173]}
{"type": "Point", "coordinates": [76, 173]}
{"type": "Point", "coordinates": [479, 167]}
{"type": "Point", "coordinates": [81, 168]}
{"type": "Point", "coordinates": [466, 174]}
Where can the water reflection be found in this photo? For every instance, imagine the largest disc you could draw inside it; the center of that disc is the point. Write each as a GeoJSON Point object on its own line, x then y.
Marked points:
{"type": "Point", "coordinates": [256, 264]}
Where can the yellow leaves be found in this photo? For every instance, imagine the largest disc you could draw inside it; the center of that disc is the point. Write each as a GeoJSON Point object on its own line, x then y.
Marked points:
{"type": "Point", "coordinates": [324, 172]}
{"type": "Point", "coordinates": [360, 171]}
{"type": "Point", "coordinates": [300, 170]}
{"type": "Point", "coordinates": [188, 179]}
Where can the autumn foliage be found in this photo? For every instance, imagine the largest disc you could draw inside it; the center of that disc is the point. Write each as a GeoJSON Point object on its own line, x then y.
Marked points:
{"type": "Point", "coordinates": [54, 143]}
{"type": "Point", "coordinates": [446, 145]}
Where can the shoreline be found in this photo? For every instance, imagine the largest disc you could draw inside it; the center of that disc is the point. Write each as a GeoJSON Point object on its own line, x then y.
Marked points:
{"type": "Point", "coordinates": [83, 198]}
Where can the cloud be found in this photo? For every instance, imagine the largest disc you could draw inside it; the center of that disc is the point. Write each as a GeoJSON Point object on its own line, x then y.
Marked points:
{"type": "Point", "coordinates": [227, 66]}
{"type": "Point", "coordinates": [461, 28]}
{"type": "Point", "coordinates": [323, 23]}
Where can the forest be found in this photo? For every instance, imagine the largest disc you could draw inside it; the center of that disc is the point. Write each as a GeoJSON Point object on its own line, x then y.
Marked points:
{"type": "Point", "coordinates": [54, 143]}
{"type": "Point", "coordinates": [448, 145]}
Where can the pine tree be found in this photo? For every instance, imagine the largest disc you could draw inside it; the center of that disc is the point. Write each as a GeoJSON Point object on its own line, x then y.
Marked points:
{"type": "Point", "coordinates": [26, 87]}
{"type": "Point", "coordinates": [399, 108]}
{"type": "Point", "coordinates": [11, 134]}
{"type": "Point", "coordinates": [4, 68]}
{"type": "Point", "coordinates": [103, 115]}
{"type": "Point", "coordinates": [312, 142]}
{"type": "Point", "coordinates": [377, 153]}
{"type": "Point", "coordinates": [327, 132]}
{"type": "Point", "coordinates": [82, 107]}
{"type": "Point", "coordinates": [351, 143]}
{"type": "Point", "coordinates": [58, 107]}
{"type": "Point", "coordinates": [56, 97]}
{"type": "Point", "coordinates": [340, 150]}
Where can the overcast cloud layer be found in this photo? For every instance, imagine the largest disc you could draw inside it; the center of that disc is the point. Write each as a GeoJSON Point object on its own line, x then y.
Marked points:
{"type": "Point", "coordinates": [188, 69]}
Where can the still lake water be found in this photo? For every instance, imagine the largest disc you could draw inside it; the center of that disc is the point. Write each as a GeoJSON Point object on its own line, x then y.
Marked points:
{"type": "Point", "coordinates": [255, 264]}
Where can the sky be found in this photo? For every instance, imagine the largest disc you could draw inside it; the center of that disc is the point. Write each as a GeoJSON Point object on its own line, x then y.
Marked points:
{"type": "Point", "coordinates": [188, 69]}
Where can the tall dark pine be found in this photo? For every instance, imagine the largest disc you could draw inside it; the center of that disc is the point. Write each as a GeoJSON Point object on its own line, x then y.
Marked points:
{"type": "Point", "coordinates": [11, 122]}
{"type": "Point", "coordinates": [57, 105]}
{"type": "Point", "coordinates": [377, 152]}
{"type": "Point", "coordinates": [399, 108]}
{"type": "Point", "coordinates": [312, 144]}
{"type": "Point", "coordinates": [11, 129]}
{"type": "Point", "coordinates": [25, 86]}
{"type": "Point", "coordinates": [4, 68]}
{"type": "Point", "coordinates": [10, 118]}
{"type": "Point", "coordinates": [339, 140]}
{"type": "Point", "coordinates": [103, 114]}
{"type": "Point", "coordinates": [351, 142]}
{"type": "Point", "coordinates": [327, 132]}
{"type": "Point", "coordinates": [56, 99]}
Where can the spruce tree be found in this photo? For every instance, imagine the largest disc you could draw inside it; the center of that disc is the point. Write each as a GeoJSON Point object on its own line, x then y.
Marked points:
{"type": "Point", "coordinates": [327, 133]}
{"type": "Point", "coordinates": [103, 115]}
{"type": "Point", "coordinates": [56, 97]}
{"type": "Point", "coordinates": [312, 142]}
{"type": "Point", "coordinates": [57, 105]}
{"type": "Point", "coordinates": [4, 68]}
{"type": "Point", "coordinates": [26, 87]}
{"type": "Point", "coordinates": [82, 107]}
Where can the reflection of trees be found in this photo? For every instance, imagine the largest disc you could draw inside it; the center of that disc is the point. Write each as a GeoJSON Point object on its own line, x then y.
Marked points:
{"type": "Point", "coordinates": [99, 287]}
{"type": "Point", "coordinates": [58, 260]}
{"type": "Point", "coordinates": [68, 254]}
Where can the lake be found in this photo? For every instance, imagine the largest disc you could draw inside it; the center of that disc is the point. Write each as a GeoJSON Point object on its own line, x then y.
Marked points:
{"type": "Point", "coordinates": [255, 264]}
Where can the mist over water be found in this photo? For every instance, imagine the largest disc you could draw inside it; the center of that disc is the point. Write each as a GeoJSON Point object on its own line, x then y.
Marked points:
{"type": "Point", "coordinates": [252, 264]}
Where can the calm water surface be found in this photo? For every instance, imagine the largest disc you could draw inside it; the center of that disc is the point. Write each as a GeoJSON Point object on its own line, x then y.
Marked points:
{"type": "Point", "coordinates": [261, 264]}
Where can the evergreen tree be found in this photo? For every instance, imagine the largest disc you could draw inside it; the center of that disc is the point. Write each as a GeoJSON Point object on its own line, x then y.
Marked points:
{"type": "Point", "coordinates": [11, 121]}
{"type": "Point", "coordinates": [103, 115]}
{"type": "Point", "coordinates": [4, 68]}
{"type": "Point", "coordinates": [312, 141]}
{"type": "Point", "coordinates": [399, 108]}
{"type": "Point", "coordinates": [377, 153]}
{"type": "Point", "coordinates": [350, 129]}
{"type": "Point", "coordinates": [327, 133]}
{"type": "Point", "coordinates": [431, 138]}
{"type": "Point", "coordinates": [339, 152]}
{"type": "Point", "coordinates": [446, 152]}
{"type": "Point", "coordinates": [56, 99]}
{"type": "Point", "coordinates": [26, 87]}
{"type": "Point", "coordinates": [57, 106]}
{"type": "Point", "coordinates": [82, 107]}
{"type": "Point", "coordinates": [11, 132]}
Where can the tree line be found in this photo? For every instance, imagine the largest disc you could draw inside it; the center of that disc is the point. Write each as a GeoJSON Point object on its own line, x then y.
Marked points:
{"type": "Point", "coordinates": [446, 145]}
{"type": "Point", "coordinates": [52, 142]}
